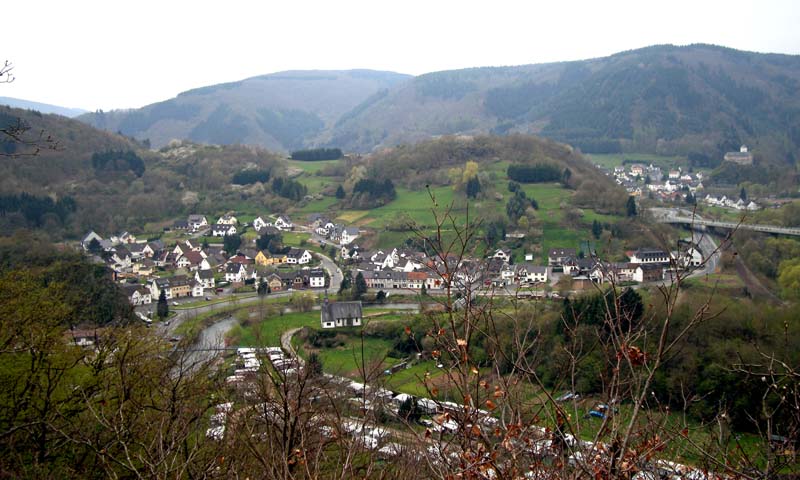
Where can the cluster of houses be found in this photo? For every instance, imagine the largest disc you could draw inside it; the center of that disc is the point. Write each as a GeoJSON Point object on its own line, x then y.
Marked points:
{"type": "Point", "coordinates": [643, 265]}
{"type": "Point", "coordinates": [190, 270]}
{"type": "Point", "coordinates": [640, 180]}
{"type": "Point", "coordinates": [726, 202]}
{"type": "Point", "coordinates": [228, 224]}
{"type": "Point", "coordinates": [334, 232]}
{"type": "Point", "coordinates": [500, 272]}
{"type": "Point", "coordinates": [407, 269]}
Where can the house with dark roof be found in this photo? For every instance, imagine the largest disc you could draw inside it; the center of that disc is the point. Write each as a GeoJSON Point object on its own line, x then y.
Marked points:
{"type": "Point", "coordinates": [557, 256]}
{"type": "Point", "coordinates": [650, 255]}
{"type": "Point", "coordinates": [205, 278]}
{"type": "Point", "coordinates": [742, 157]}
{"type": "Point", "coordinates": [222, 230]}
{"type": "Point", "coordinates": [340, 314]}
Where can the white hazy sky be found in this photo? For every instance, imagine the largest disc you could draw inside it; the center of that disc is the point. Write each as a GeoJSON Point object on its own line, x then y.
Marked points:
{"type": "Point", "coordinates": [109, 54]}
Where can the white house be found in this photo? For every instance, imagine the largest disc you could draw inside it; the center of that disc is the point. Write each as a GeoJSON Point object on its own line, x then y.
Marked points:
{"type": "Point", "coordinates": [644, 255]}
{"type": "Point", "coordinates": [531, 273]}
{"type": "Point", "coordinates": [691, 257]}
{"type": "Point", "coordinates": [340, 314]}
{"type": "Point", "coordinates": [137, 294]}
{"type": "Point", "coordinates": [196, 222]}
{"type": "Point", "coordinates": [87, 239]}
{"type": "Point", "coordinates": [222, 230]}
{"type": "Point", "coordinates": [260, 223]}
{"type": "Point", "coordinates": [316, 278]}
{"type": "Point", "coordinates": [298, 256]}
{"type": "Point", "coordinates": [227, 219]}
{"type": "Point", "coordinates": [504, 255]}
{"type": "Point", "coordinates": [284, 223]}
{"type": "Point", "coordinates": [205, 278]}
{"type": "Point", "coordinates": [235, 273]}
{"type": "Point", "coordinates": [349, 234]}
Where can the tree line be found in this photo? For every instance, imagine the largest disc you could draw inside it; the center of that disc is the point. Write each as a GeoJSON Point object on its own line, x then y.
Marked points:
{"type": "Point", "coordinates": [316, 154]}
{"type": "Point", "coordinates": [35, 209]}
{"type": "Point", "coordinates": [538, 173]}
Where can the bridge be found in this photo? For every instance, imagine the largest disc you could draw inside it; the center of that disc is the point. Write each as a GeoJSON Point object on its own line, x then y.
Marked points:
{"type": "Point", "coordinates": [668, 215]}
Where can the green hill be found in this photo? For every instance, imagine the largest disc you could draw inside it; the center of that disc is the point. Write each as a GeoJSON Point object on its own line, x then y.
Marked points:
{"type": "Point", "coordinates": [99, 180]}
{"type": "Point", "coordinates": [280, 111]}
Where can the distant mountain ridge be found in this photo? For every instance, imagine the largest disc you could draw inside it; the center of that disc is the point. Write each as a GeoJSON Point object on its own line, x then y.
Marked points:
{"type": "Point", "coordinates": [700, 99]}
{"type": "Point", "coordinates": [278, 111]}
{"type": "Point", "coordinates": [41, 107]}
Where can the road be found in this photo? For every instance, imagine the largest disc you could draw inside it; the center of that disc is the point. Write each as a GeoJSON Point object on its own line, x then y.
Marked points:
{"type": "Point", "coordinates": [674, 215]}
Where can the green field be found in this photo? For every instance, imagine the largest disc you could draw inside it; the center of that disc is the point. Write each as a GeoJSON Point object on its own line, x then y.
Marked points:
{"type": "Point", "coordinates": [419, 205]}
{"type": "Point", "coordinates": [311, 167]}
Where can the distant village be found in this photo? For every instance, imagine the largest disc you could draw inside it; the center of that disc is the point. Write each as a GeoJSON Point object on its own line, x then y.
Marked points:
{"type": "Point", "coordinates": [678, 185]}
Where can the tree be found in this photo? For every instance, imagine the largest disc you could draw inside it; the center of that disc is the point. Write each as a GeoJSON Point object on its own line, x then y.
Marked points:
{"type": "Point", "coordinates": [162, 308]}
{"type": "Point", "coordinates": [423, 291]}
{"type": "Point", "coordinates": [473, 187]}
{"type": "Point", "coordinates": [630, 207]}
{"type": "Point", "coordinates": [360, 286]}
{"type": "Point", "coordinates": [346, 282]}
{"type": "Point", "coordinates": [314, 365]}
{"type": "Point", "coordinates": [231, 243]}
{"type": "Point", "coordinates": [743, 194]}
{"type": "Point", "coordinates": [597, 229]}
{"type": "Point", "coordinates": [380, 297]}
{"type": "Point", "coordinates": [340, 194]}
{"type": "Point", "coordinates": [95, 247]}
{"type": "Point", "coordinates": [566, 176]}
{"type": "Point", "coordinates": [263, 288]}
{"type": "Point", "coordinates": [409, 410]}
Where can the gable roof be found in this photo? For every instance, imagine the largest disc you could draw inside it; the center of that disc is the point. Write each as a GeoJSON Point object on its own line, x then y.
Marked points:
{"type": "Point", "coordinates": [561, 252]}
{"type": "Point", "coordinates": [332, 311]}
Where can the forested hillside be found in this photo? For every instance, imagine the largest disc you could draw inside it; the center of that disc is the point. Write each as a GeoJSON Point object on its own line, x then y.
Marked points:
{"type": "Point", "coordinates": [663, 99]}
{"type": "Point", "coordinates": [97, 180]}
{"type": "Point", "coordinates": [280, 111]}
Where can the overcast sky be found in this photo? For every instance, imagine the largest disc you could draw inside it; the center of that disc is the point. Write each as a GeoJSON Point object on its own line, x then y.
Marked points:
{"type": "Point", "coordinates": [108, 54]}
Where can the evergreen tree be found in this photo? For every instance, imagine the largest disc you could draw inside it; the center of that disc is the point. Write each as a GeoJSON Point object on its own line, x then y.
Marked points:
{"type": "Point", "coordinates": [263, 288]}
{"type": "Point", "coordinates": [409, 410]}
{"type": "Point", "coordinates": [231, 243]}
{"type": "Point", "coordinates": [95, 247]}
{"type": "Point", "coordinates": [596, 229]}
{"type": "Point", "coordinates": [566, 176]}
{"type": "Point", "coordinates": [630, 207]}
{"type": "Point", "coordinates": [314, 365]}
{"type": "Point", "coordinates": [473, 187]}
{"type": "Point", "coordinates": [380, 297]}
{"type": "Point", "coordinates": [162, 308]}
{"type": "Point", "coordinates": [340, 192]}
{"type": "Point", "coordinates": [424, 290]}
{"type": "Point", "coordinates": [345, 285]}
{"type": "Point", "coordinates": [360, 286]}
{"type": "Point", "coordinates": [743, 194]}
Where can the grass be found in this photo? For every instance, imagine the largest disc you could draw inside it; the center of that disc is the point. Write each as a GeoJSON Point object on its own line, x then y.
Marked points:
{"type": "Point", "coordinates": [269, 331]}
{"type": "Point", "coordinates": [311, 167]}
{"type": "Point", "coordinates": [348, 360]}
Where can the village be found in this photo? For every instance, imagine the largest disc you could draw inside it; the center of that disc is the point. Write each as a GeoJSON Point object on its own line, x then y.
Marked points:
{"type": "Point", "coordinates": [193, 268]}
